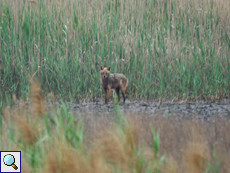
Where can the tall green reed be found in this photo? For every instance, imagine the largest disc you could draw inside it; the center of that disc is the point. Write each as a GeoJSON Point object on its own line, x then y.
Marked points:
{"type": "Point", "coordinates": [166, 49]}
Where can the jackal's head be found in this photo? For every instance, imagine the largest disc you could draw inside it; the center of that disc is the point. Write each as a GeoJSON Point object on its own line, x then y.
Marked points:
{"type": "Point", "coordinates": [104, 72]}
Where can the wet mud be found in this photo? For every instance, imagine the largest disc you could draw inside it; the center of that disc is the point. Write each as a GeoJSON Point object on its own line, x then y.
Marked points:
{"type": "Point", "coordinates": [199, 109]}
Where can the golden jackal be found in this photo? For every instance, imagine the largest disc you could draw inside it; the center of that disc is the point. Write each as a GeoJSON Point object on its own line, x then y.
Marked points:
{"type": "Point", "coordinates": [116, 81]}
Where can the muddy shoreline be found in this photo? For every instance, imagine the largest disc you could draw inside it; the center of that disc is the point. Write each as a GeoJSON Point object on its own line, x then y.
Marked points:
{"type": "Point", "coordinates": [199, 109]}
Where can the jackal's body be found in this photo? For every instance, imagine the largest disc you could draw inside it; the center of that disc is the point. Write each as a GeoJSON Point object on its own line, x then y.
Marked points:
{"type": "Point", "coordinates": [115, 81]}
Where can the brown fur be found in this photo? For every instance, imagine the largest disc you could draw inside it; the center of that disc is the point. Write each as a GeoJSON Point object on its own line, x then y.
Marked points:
{"type": "Point", "coordinates": [118, 82]}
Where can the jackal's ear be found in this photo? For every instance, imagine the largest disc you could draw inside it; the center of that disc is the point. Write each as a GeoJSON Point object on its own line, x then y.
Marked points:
{"type": "Point", "coordinates": [101, 67]}
{"type": "Point", "coordinates": [109, 68]}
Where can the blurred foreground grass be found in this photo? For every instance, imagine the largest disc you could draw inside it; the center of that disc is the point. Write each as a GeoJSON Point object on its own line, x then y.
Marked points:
{"type": "Point", "coordinates": [58, 140]}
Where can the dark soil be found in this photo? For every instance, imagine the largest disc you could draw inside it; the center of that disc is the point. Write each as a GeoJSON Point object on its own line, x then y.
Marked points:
{"type": "Point", "coordinates": [200, 109]}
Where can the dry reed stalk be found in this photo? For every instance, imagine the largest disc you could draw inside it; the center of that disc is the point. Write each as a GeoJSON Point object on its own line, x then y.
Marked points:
{"type": "Point", "coordinates": [22, 104]}
{"type": "Point", "coordinates": [98, 163]}
{"type": "Point", "coordinates": [118, 148]}
{"type": "Point", "coordinates": [38, 103]}
{"type": "Point", "coordinates": [197, 153]}
{"type": "Point", "coordinates": [28, 131]}
{"type": "Point", "coordinates": [14, 98]}
{"type": "Point", "coordinates": [62, 158]}
{"type": "Point", "coordinates": [195, 157]}
{"type": "Point", "coordinates": [6, 113]}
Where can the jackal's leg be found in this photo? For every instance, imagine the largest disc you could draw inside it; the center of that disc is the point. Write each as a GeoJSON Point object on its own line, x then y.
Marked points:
{"type": "Point", "coordinates": [105, 91]}
{"type": "Point", "coordinates": [118, 95]}
{"type": "Point", "coordinates": [123, 94]}
{"type": "Point", "coordinates": [108, 95]}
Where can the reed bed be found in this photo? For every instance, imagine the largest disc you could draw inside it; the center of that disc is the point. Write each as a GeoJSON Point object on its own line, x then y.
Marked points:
{"type": "Point", "coordinates": [168, 49]}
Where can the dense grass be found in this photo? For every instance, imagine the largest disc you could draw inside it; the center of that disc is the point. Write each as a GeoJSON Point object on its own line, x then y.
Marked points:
{"type": "Point", "coordinates": [167, 49]}
{"type": "Point", "coordinates": [59, 140]}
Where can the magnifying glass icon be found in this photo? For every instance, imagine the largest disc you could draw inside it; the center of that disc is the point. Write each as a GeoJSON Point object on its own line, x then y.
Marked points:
{"type": "Point", "coordinates": [9, 160]}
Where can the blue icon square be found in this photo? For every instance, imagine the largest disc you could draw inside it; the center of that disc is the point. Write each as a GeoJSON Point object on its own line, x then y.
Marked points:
{"type": "Point", "coordinates": [10, 161]}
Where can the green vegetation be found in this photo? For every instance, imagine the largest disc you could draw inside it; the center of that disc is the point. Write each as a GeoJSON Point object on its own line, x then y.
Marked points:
{"type": "Point", "coordinates": [59, 140]}
{"type": "Point", "coordinates": [167, 49]}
